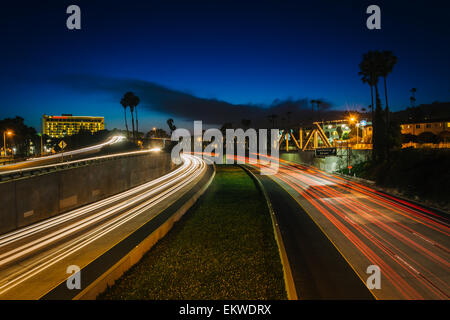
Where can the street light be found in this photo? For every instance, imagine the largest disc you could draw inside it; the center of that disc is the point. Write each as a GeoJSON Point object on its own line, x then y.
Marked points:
{"type": "Point", "coordinates": [357, 138]}
{"type": "Point", "coordinates": [5, 133]}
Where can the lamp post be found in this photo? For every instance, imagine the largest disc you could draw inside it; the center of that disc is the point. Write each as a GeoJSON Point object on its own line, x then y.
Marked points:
{"type": "Point", "coordinates": [8, 132]}
{"type": "Point", "coordinates": [357, 138]}
{"type": "Point", "coordinates": [352, 119]}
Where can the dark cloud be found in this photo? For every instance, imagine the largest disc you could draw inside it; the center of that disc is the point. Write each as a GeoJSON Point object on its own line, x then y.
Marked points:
{"type": "Point", "coordinates": [186, 106]}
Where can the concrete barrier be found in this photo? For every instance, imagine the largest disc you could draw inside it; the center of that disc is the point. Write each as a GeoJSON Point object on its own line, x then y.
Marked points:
{"type": "Point", "coordinates": [30, 199]}
{"type": "Point", "coordinates": [330, 163]}
{"type": "Point", "coordinates": [8, 207]}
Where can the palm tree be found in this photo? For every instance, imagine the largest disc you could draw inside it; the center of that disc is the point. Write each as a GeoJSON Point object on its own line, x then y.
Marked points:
{"type": "Point", "coordinates": [312, 109]}
{"type": "Point", "coordinates": [413, 97]}
{"type": "Point", "coordinates": [272, 118]}
{"type": "Point", "coordinates": [387, 63]}
{"type": "Point", "coordinates": [129, 100]}
{"type": "Point", "coordinates": [132, 121]}
{"type": "Point", "coordinates": [123, 102]}
{"type": "Point", "coordinates": [318, 103]}
{"type": "Point", "coordinates": [288, 116]}
{"type": "Point", "coordinates": [413, 101]}
{"type": "Point", "coordinates": [172, 127]}
{"type": "Point", "coordinates": [369, 72]}
{"type": "Point", "coordinates": [134, 103]}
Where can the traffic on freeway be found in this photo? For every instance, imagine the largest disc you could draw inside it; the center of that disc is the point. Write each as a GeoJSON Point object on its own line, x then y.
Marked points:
{"type": "Point", "coordinates": [32, 162]}
{"type": "Point", "coordinates": [406, 241]}
{"type": "Point", "coordinates": [34, 259]}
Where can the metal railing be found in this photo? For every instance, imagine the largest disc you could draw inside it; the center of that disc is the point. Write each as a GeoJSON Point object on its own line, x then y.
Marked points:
{"type": "Point", "coordinates": [28, 172]}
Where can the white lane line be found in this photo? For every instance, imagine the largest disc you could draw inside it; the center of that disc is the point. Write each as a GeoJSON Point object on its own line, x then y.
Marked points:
{"type": "Point", "coordinates": [76, 226]}
{"type": "Point", "coordinates": [98, 232]}
{"type": "Point", "coordinates": [51, 222]}
{"type": "Point", "coordinates": [112, 140]}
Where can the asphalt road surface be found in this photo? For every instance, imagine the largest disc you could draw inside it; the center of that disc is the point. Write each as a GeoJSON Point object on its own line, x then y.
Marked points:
{"type": "Point", "coordinates": [318, 269]}
{"type": "Point", "coordinates": [409, 243]}
{"type": "Point", "coordinates": [34, 259]}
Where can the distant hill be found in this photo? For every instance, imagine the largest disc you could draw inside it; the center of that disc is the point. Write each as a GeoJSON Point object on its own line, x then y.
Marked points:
{"type": "Point", "coordinates": [424, 112]}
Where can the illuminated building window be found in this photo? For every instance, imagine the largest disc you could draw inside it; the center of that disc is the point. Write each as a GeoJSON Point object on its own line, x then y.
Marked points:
{"type": "Point", "coordinates": [59, 126]}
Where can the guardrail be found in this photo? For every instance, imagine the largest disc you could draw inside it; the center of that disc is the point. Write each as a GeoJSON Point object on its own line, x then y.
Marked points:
{"type": "Point", "coordinates": [28, 172]}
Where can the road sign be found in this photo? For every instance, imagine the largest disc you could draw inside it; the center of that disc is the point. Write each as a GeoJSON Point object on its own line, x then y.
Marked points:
{"type": "Point", "coordinates": [323, 152]}
{"type": "Point", "coordinates": [62, 144]}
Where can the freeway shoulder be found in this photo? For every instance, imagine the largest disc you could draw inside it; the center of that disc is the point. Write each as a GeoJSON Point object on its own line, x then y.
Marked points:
{"type": "Point", "coordinates": [318, 269]}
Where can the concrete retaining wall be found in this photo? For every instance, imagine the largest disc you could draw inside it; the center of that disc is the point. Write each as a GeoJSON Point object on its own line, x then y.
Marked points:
{"type": "Point", "coordinates": [328, 164]}
{"type": "Point", "coordinates": [28, 200]}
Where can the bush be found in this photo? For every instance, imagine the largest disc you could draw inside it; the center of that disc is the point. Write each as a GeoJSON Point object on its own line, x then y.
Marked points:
{"type": "Point", "coordinates": [444, 136]}
{"type": "Point", "coordinates": [415, 172]}
{"type": "Point", "coordinates": [409, 138]}
{"type": "Point", "coordinates": [427, 137]}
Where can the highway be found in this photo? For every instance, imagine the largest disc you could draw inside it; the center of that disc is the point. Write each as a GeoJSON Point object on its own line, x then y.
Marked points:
{"type": "Point", "coordinates": [55, 158]}
{"type": "Point", "coordinates": [409, 243]}
{"type": "Point", "coordinates": [34, 259]}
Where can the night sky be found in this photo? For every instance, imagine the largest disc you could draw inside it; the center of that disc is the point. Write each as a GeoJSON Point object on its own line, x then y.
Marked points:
{"type": "Point", "coordinates": [178, 55]}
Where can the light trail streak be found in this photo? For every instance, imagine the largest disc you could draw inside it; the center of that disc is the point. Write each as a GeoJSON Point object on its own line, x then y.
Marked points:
{"type": "Point", "coordinates": [81, 227]}
{"type": "Point", "coordinates": [112, 140]}
{"type": "Point", "coordinates": [408, 242]}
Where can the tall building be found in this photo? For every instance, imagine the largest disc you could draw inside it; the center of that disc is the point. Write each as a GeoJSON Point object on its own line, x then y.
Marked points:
{"type": "Point", "coordinates": [66, 125]}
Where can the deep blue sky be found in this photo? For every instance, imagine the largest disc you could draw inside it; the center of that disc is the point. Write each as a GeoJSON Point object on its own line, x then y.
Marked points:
{"type": "Point", "coordinates": [237, 51]}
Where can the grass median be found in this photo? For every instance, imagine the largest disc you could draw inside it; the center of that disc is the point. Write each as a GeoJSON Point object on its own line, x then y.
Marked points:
{"type": "Point", "coordinates": [223, 248]}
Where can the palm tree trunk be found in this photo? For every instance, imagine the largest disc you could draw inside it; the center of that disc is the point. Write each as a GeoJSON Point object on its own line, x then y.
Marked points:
{"type": "Point", "coordinates": [137, 123]}
{"type": "Point", "coordinates": [132, 121]}
{"type": "Point", "coordinates": [371, 109]}
{"type": "Point", "coordinates": [376, 127]}
{"type": "Point", "coordinates": [126, 122]}
{"type": "Point", "coordinates": [371, 95]}
{"type": "Point", "coordinates": [385, 91]}
{"type": "Point", "coordinates": [387, 106]}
